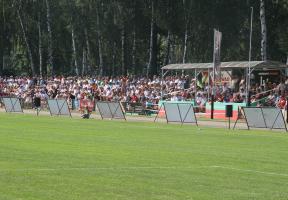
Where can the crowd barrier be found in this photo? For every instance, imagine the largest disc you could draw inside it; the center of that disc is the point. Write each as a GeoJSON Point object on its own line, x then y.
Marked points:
{"type": "Point", "coordinates": [110, 110]}
{"type": "Point", "coordinates": [58, 107]}
{"type": "Point", "coordinates": [178, 112]}
{"type": "Point", "coordinates": [262, 117]}
{"type": "Point", "coordinates": [12, 104]}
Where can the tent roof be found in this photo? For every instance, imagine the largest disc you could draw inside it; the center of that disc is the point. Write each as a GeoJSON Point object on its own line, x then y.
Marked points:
{"type": "Point", "coordinates": [228, 65]}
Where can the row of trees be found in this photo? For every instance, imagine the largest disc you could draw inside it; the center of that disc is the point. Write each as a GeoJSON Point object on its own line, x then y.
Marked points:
{"type": "Point", "coordinates": [112, 37]}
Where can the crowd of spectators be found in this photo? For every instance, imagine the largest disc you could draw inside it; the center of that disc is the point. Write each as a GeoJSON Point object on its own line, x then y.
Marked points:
{"type": "Point", "coordinates": [147, 91]}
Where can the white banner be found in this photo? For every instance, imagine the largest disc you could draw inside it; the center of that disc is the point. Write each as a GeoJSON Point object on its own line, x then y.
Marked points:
{"type": "Point", "coordinates": [217, 56]}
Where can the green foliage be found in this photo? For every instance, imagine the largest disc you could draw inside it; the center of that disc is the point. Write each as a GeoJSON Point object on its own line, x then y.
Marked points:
{"type": "Point", "coordinates": [134, 17]}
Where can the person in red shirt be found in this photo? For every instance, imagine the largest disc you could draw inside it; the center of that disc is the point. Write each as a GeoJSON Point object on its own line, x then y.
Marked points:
{"type": "Point", "coordinates": [134, 98]}
{"type": "Point", "coordinates": [282, 102]}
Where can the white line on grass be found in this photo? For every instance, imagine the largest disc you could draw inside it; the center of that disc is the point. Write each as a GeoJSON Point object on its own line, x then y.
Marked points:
{"type": "Point", "coordinates": [140, 168]}
{"type": "Point", "coordinates": [250, 171]}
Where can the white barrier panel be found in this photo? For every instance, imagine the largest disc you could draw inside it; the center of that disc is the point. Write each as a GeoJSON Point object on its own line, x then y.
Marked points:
{"type": "Point", "coordinates": [58, 107]}
{"type": "Point", "coordinates": [274, 118]}
{"type": "Point", "coordinates": [110, 110]}
{"type": "Point", "coordinates": [104, 110]}
{"type": "Point", "coordinates": [53, 107]}
{"type": "Point", "coordinates": [254, 117]}
{"type": "Point", "coordinates": [187, 113]}
{"type": "Point", "coordinates": [12, 104]}
{"type": "Point", "coordinates": [269, 117]}
{"type": "Point", "coordinates": [179, 112]}
{"type": "Point", "coordinates": [116, 109]}
{"type": "Point", "coordinates": [172, 112]}
{"type": "Point", "coordinates": [63, 107]}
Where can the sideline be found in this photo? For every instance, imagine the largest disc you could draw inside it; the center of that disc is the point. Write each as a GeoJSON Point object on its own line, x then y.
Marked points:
{"type": "Point", "coordinates": [95, 115]}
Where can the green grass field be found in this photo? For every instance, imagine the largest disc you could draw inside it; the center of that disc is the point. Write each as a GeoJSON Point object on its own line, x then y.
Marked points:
{"type": "Point", "coordinates": [51, 158]}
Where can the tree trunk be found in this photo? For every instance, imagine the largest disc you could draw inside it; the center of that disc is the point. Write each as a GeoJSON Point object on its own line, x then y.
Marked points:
{"type": "Point", "coordinates": [263, 31]}
{"type": "Point", "coordinates": [88, 60]}
{"type": "Point", "coordinates": [99, 43]}
{"type": "Point", "coordinates": [84, 63]}
{"type": "Point", "coordinates": [3, 38]}
{"type": "Point", "coordinates": [114, 58]}
{"type": "Point", "coordinates": [123, 67]}
{"type": "Point", "coordinates": [167, 53]}
{"type": "Point", "coordinates": [187, 13]}
{"type": "Point", "coordinates": [40, 46]}
{"type": "Point", "coordinates": [172, 51]}
{"type": "Point", "coordinates": [74, 52]}
{"type": "Point", "coordinates": [149, 66]}
{"type": "Point", "coordinates": [185, 44]}
{"type": "Point", "coordinates": [26, 42]}
{"type": "Point", "coordinates": [134, 52]}
{"type": "Point", "coordinates": [50, 67]}
{"type": "Point", "coordinates": [100, 55]}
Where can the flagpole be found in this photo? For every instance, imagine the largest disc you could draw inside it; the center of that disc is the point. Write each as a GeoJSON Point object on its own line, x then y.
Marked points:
{"type": "Point", "coordinates": [249, 63]}
{"type": "Point", "coordinates": [213, 84]}
{"type": "Point", "coordinates": [209, 87]}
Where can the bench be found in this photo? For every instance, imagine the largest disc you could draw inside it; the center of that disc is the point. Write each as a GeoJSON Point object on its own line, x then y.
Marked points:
{"type": "Point", "coordinates": [132, 108]}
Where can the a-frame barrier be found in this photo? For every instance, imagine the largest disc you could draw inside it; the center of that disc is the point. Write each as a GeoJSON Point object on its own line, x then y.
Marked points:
{"type": "Point", "coordinates": [110, 110]}
{"type": "Point", "coordinates": [58, 107]}
{"type": "Point", "coordinates": [265, 117]}
{"type": "Point", "coordinates": [12, 105]}
{"type": "Point", "coordinates": [178, 112]}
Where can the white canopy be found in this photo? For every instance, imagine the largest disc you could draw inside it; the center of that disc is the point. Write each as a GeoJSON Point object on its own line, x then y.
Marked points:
{"type": "Point", "coordinates": [228, 65]}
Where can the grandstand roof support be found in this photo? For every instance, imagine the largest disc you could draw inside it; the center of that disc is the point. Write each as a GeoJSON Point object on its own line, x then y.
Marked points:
{"type": "Point", "coordinates": [229, 65]}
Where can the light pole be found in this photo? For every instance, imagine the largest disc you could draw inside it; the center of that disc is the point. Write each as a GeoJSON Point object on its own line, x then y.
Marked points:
{"type": "Point", "coordinates": [248, 85]}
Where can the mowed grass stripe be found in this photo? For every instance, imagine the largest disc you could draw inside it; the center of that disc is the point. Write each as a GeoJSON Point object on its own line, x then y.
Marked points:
{"type": "Point", "coordinates": [140, 168]}
{"type": "Point", "coordinates": [137, 160]}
